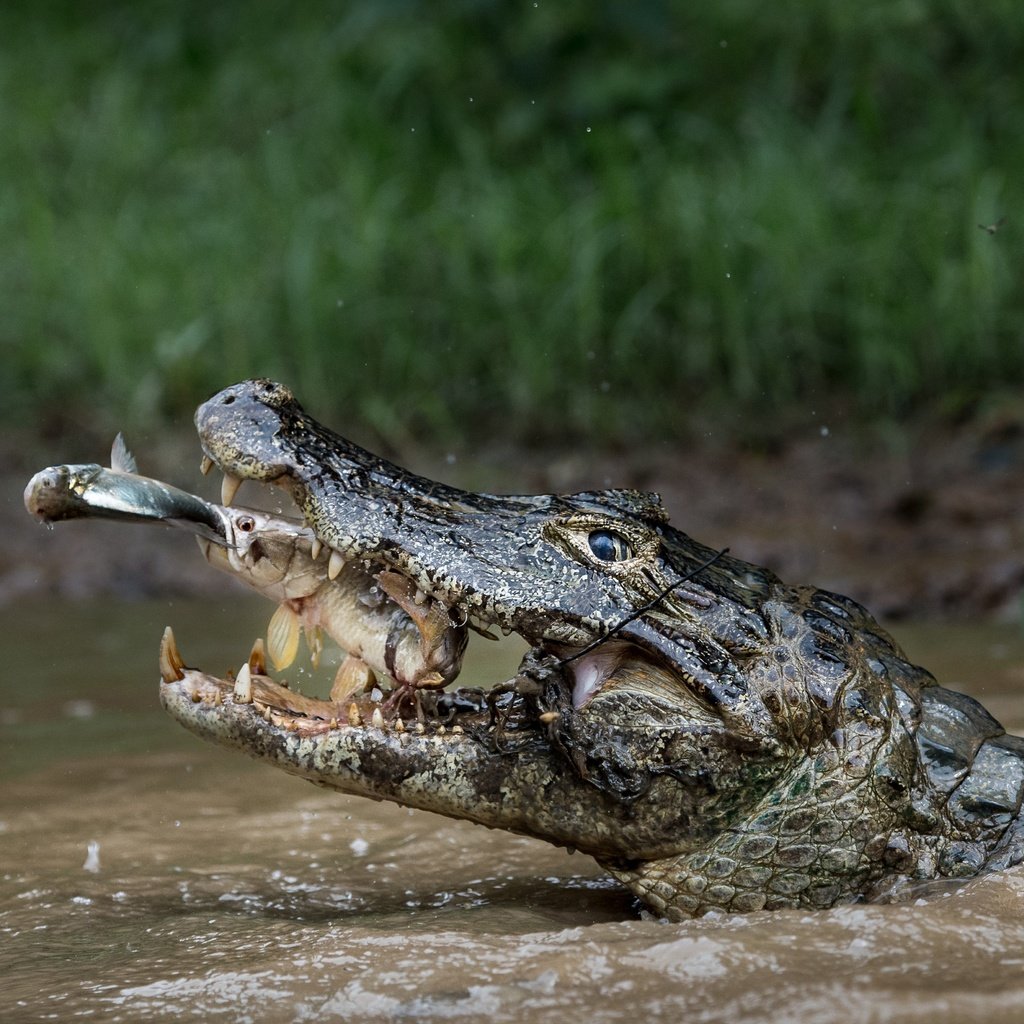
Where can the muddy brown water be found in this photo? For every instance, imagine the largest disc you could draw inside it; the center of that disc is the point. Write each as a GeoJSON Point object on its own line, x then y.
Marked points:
{"type": "Point", "coordinates": [147, 876]}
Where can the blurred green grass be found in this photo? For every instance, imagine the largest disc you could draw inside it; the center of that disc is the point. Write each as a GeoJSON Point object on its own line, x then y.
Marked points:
{"type": "Point", "coordinates": [534, 219]}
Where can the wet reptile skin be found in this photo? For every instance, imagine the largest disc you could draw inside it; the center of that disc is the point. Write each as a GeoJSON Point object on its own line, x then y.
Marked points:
{"type": "Point", "coordinates": [746, 744]}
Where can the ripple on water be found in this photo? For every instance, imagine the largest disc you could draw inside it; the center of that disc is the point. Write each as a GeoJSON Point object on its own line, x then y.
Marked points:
{"type": "Point", "coordinates": [226, 891]}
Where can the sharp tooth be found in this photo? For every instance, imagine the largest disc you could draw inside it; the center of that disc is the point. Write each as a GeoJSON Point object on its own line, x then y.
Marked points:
{"type": "Point", "coordinates": [206, 465]}
{"type": "Point", "coordinates": [377, 719]}
{"type": "Point", "coordinates": [335, 564]}
{"type": "Point", "coordinates": [399, 725]}
{"type": "Point", "coordinates": [547, 717]}
{"type": "Point", "coordinates": [257, 659]}
{"type": "Point", "coordinates": [243, 685]}
{"type": "Point", "coordinates": [353, 715]}
{"type": "Point", "coordinates": [172, 668]}
{"type": "Point", "coordinates": [229, 488]}
{"type": "Point", "coordinates": [283, 636]}
{"type": "Point", "coordinates": [316, 547]}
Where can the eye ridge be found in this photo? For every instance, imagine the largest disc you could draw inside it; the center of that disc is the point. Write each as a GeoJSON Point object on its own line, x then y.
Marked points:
{"type": "Point", "coordinates": [609, 546]}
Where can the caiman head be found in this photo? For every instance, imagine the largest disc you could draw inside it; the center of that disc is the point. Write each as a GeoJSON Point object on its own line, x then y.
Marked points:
{"type": "Point", "coordinates": [714, 738]}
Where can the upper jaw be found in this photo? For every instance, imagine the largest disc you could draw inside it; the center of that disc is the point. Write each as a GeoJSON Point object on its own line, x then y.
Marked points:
{"type": "Point", "coordinates": [560, 636]}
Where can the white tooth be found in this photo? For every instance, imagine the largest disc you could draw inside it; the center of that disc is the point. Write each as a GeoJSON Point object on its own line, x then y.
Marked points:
{"type": "Point", "coordinates": [229, 488]}
{"type": "Point", "coordinates": [335, 564]}
{"type": "Point", "coordinates": [316, 547]}
{"type": "Point", "coordinates": [354, 717]}
{"type": "Point", "coordinates": [206, 465]}
{"type": "Point", "coordinates": [243, 685]}
{"type": "Point", "coordinates": [172, 668]}
{"type": "Point", "coordinates": [377, 719]}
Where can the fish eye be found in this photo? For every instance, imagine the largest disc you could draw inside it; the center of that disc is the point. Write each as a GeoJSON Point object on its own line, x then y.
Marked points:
{"type": "Point", "coordinates": [609, 546]}
{"type": "Point", "coordinates": [246, 524]}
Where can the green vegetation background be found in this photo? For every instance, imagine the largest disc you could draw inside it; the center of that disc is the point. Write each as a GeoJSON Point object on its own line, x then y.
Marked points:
{"type": "Point", "coordinates": [544, 219]}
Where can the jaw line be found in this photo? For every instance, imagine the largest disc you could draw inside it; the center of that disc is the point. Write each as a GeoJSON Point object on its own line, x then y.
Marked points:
{"type": "Point", "coordinates": [588, 674]}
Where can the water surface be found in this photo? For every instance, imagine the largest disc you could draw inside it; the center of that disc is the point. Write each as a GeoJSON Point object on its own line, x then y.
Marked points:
{"type": "Point", "coordinates": [149, 876]}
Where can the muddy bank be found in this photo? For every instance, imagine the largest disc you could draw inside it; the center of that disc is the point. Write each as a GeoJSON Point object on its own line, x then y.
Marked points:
{"type": "Point", "coordinates": [927, 525]}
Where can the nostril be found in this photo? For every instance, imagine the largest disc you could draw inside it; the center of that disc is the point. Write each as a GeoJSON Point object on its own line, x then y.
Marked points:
{"type": "Point", "coordinates": [229, 399]}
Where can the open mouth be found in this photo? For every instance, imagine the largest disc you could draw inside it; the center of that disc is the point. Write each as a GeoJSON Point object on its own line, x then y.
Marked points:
{"type": "Point", "coordinates": [401, 649]}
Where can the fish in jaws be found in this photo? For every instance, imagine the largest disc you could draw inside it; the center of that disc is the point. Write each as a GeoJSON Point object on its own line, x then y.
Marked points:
{"type": "Point", "coordinates": [713, 737]}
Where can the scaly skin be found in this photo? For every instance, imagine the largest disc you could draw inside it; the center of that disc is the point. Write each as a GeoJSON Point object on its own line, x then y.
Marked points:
{"type": "Point", "coordinates": [743, 744]}
{"type": "Point", "coordinates": [740, 744]}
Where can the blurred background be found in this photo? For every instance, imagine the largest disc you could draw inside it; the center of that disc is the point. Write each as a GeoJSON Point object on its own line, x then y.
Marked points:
{"type": "Point", "coordinates": [764, 258]}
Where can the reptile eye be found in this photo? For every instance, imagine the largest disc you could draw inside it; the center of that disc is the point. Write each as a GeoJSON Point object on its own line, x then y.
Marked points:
{"type": "Point", "coordinates": [247, 524]}
{"type": "Point", "coordinates": [608, 546]}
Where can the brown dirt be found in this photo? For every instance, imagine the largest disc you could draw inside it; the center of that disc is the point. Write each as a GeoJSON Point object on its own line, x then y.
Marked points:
{"type": "Point", "coordinates": [926, 524]}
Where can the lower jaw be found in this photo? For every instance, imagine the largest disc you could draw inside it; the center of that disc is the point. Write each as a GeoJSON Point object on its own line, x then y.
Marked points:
{"type": "Point", "coordinates": [401, 710]}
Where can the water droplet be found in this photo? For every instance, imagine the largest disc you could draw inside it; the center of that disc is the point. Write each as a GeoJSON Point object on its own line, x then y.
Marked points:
{"type": "Point", "coordinates": [92, 857]}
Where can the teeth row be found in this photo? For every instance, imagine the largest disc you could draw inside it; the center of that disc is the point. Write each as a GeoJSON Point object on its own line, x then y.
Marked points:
{"type": "Point", "coordinates": [172, 669]}
{"type": "Point", "coordinates": [229, 489]}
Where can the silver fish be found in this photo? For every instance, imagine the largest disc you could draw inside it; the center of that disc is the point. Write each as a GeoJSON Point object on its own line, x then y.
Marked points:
{"type": "Point", "coordinates": [385, 627]}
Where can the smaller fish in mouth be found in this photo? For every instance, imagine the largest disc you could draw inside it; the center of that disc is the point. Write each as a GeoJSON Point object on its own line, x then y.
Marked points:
{"type": "Point", "coordinates": [389, 630]}
{"type": "Point", "coordinates": [716, 738]}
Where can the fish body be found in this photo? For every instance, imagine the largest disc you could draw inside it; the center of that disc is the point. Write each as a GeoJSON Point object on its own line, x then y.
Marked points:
{"type": "Point", "coordinates": [278, 557]}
